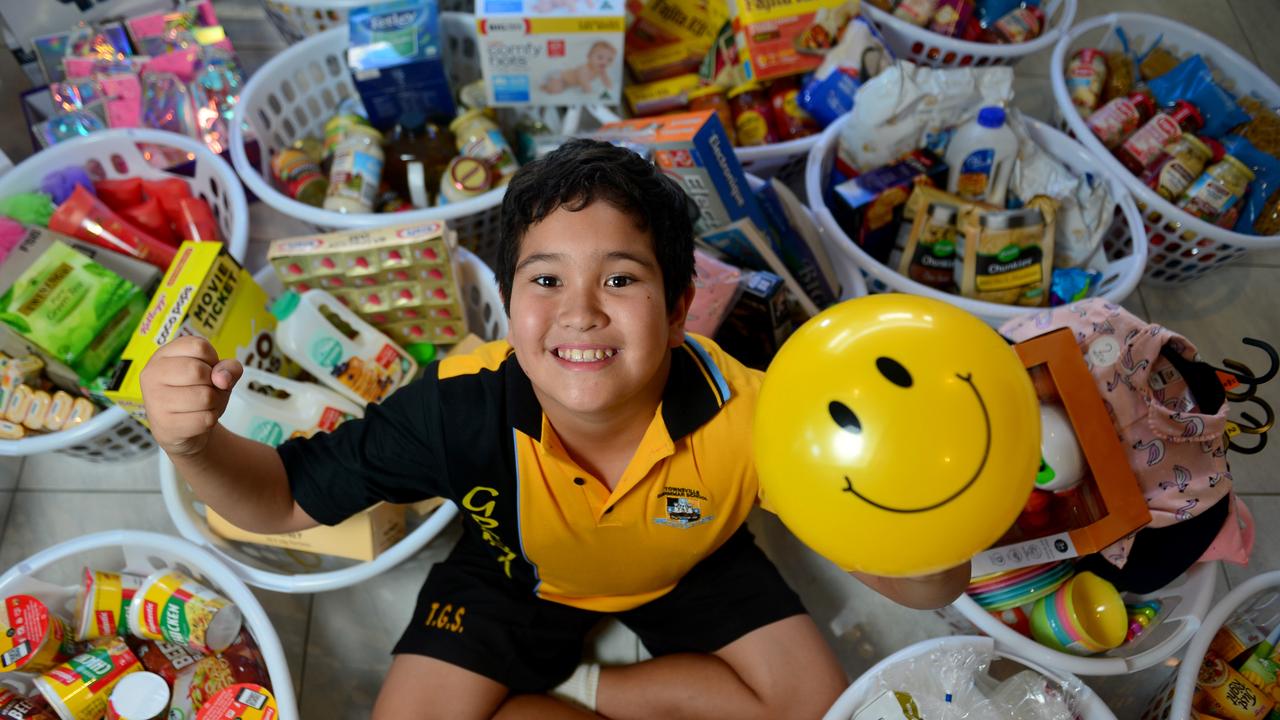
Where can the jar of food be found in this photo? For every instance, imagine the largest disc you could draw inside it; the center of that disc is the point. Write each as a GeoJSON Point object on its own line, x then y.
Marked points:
{"type": "Point", "coordinates": [790, 120]}
{"type": "Point", "coordinates": [1019, 25]}
{"type": "Point", "coordinates": [1213, 194]}
{"type": "Point", "coordinates": [465, 178]}
{"type": "Point", "coordinates": [356, 171]}
{"type": "Point", "coordinates": [299, 176]}
{"type": "Point", "coordinates": [711, 97]}
{"type": "Point", "coordinates": [1086, 74]}
{"type": "Point", "coordinates": [752, 113]}
{"type": "Point", "coordinates": [335, 130]}
{"type": "Point", "coordinates": [1114, 122]}
{"type": "Point", "coordinates": [1143, 147]}
{"type": "Point", "coordinates": [478, 136]}
{"type": "Point", "coordinates": [1179, 165]}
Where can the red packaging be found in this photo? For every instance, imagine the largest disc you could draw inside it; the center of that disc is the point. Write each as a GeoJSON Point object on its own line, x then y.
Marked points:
{"type": "Point", "coordinates": [149, 216]}
{"type": "Point", "coordinates": [951, 17]}
{"type": "Point", "coordinates": [196, 221]}
{"type": "Point", "coordinates": [790, 120]}
{"type": "Point", "coordinates": [83, 216]}
{"type": "Point", "coordinates": [247, 665]}
{"type": "Point", "coordinates": [164, 659]}
{"type": "Point", "coordinates": [1143, 147]}
{"type": "Point", "coordinates": [119, 194]}
{"type": "Point", "coordinates": [168, 191]}
{"type": "Point", "coordinates": [24, 708]}
{"type": "Point", "coordinates": [1116, 120]}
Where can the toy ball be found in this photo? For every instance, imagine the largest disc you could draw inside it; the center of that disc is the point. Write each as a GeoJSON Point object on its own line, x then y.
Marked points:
{"type": "Point", "coordinates": [1064, 464]}
{"type": "Point", "coordinates": [896, 435]}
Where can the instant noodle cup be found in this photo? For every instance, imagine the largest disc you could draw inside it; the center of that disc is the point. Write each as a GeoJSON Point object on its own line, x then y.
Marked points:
{"type": "Point", "coordinates": [80, 688]}
{"type": "Point", "coordinates": [172, 607]}
{"type": "Point", "coordinates": [245, 701]}
{"type": "Point", "coordinates": [32, 639]}
{"type": "Point", "coordinates": [138, 696]}
{"type": "Point", "coordinates": [102, 603]}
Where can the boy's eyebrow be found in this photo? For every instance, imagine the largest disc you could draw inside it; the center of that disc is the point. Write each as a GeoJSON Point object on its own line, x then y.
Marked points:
{"type": "Point", "coordinates": [539, 257]}
{"type": "Point", "coordinates": [614, 255]}
{"type": "Point", "coordinates": [623, 255]}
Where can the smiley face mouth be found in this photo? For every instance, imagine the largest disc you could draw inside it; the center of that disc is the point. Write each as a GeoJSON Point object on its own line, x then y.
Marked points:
{"type": "Point", "coordinates": [986, 451]}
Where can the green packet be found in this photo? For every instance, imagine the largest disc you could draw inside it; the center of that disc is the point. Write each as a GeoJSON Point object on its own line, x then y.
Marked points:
{"type": "Point", "coordinates": [74, 309]}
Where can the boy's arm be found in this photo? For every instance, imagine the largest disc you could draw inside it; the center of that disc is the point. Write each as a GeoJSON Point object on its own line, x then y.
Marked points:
{"type": "Point", "coordinates": [925, 592]}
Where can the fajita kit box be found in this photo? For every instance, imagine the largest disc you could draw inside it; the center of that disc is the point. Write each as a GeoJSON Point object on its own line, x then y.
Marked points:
{"type": "Point", "coordinates": [787, 37]}
{"type": "Point", "coordinates": [395, 58]}
{"type": "Point", "coordinates": [551, 52]}
{"type": "Point", "coordinates": [400, 278]}
{"type": "Point", "coordinates": [205, 292]}
{"type": "Point", "coordinates": [364, 536]}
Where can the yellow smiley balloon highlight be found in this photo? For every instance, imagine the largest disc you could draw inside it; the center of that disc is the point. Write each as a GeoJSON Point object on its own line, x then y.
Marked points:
{"type": "Point", "coordinates": [897, 435]}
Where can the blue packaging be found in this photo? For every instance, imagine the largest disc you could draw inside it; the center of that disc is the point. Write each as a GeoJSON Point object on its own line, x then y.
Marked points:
{"type": "Point", "coordinates": [396, 63]}
{"type": "Point", "coordinates": [1266, 178]}
{"type": "Point", "coordinates": [829, 98]}
{"type": "Point", "coordinates": [1192, 80]}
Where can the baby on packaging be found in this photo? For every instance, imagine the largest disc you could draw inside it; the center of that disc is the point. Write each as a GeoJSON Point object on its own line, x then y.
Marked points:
{"type": "Point", "coordinates": [599, 58]}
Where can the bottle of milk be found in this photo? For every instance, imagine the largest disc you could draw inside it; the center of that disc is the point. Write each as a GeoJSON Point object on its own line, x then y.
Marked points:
{"type": "Point", "coordinates": [272, 409]}
{"type": "Point", "coordinates": [980, 157]}
{"type": "Point", "coordinates": [341, 350]}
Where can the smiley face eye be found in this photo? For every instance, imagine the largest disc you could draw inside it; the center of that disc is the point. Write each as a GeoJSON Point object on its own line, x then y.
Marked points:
{"type": "Point", "coordinates": [893, 371]}
{"type": "Point", "coordinates": [844, 417]}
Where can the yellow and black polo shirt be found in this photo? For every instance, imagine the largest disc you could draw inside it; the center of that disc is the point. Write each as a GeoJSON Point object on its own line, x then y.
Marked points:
{"type": "Point", "coordinates": [472, 431]}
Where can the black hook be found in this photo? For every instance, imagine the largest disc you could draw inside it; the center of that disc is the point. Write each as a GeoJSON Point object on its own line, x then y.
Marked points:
{"type": "Point", "coordinates": [1257, 428]}
{"type": "Point", "coordinates": [1245, 376]}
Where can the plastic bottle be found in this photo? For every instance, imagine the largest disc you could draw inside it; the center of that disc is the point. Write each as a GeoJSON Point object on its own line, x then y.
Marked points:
{"type": "Point", "coordinates": [356, 171]}
{"type": "Point", "coordinates": [981, 156]}
{"type": "Point", "coordinates": [1143, 148]}
{"type": "Point", "coordinates": [344, 352]}
{"type": "Point", "coordinates": [272, 409]}
{"type": "Point", "coordinates": [417, 153]}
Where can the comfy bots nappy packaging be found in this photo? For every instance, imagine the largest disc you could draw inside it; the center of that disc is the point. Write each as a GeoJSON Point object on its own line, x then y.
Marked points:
{"type": "Point", "coordinates": [552, 52]}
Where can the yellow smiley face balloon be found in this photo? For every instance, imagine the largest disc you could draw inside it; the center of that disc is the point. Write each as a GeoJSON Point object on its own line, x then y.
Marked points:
{"type": "Point", "coordinates": [897, 435]}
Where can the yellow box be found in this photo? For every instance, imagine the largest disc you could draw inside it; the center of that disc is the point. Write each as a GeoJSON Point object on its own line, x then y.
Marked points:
{"type": "Point", "coordinates": [205, 292]}
{"type": "Point", "coordinates": [661, 96]}
{"type": "Point", "coordinates": [361, 537]}
{"type": "Point", "coordinates": [786, 37]}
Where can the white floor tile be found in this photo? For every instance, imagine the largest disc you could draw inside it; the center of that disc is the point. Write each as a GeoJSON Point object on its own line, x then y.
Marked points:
{"type": "Point", "coordinates": [1266, 548]}
{"type": "Point", "coordinates": [1260, 18]}
{"type": "Point", "coordinates": [1215, 312]}
{"type": "Point", "coordinates": [10, 472]}
{"type": "Point", "coordinates": [1213, 17]}
{"type": "Point", "coordinates": [6, 500]}
{"type": "Point", "coordinates": [54, 471]}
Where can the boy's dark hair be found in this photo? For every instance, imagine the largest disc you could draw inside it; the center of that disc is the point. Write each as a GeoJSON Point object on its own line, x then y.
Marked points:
{"type": "Point", "coordinates": [581, 172]}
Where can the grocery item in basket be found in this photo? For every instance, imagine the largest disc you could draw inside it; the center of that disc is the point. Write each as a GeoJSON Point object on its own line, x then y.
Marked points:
{"type": "Point", "coordinates": [908, 107]}
{"type": "Point", "coordinates": [859, 56]}
{"type": "Point", "coordinates": [1180, 163]}
{"type": "Point", "coordinates": [80, 688]}
{"type": "Point", "coordinates": [1120, 74]}
{"type": "Point", "coordinates": [1156, 62]}
{"type": "Point", "coordinates": [119, 194]}
{"type": "Point", "coordinates": [81, 411]}
{"type": "Point", "coordinates": [712, 97]}
{"type": "Point", "coordinates": [951, 17]}
{"type": "Point", "coordinates": [1235, 638]}
{"type": "Point", "coordinates": [73, 308]}
{"type": "Point", "coordinates": [1120, 117]}
{"type": "Point", "coordinates": [1143, 147]}
{"type": "Point", "coordinates": [465, 178]}
{"type": "Point", "coordinates": [550, 52]}
{"type": "Point", "coordinates": [753, 118]}
{"type": "Point", "coordinates": [394, 55]}
{"type": "Point", "coordinates": [1072, 284]}
{"type": "Point", "coordinates": [102, 603]}
{"type": "Point", "coordinates": [873, 201]}
{"type": "Point", "coordinates": [138, 696]}
{"type": "Point", "coordinates": [15, 410]}
{"type": "Point", "coordinates": [1217, 191]}
{"type": "Point", "coordinates": [195, 221]}
{"type": "Point", "coordinates": [930, 255]}
{"type": "Point", "coordinates": [1007, 256]}
{"type": "Point", "coordinates": [35, 417]}
{"type": "Point", "coordinates": [34, 639]}
{"type": "Point", "coordinates": [1019, 25]}
{"type": "Point", "coordinates": [788, 37]}
{"type": "Point", "coordinates": [149, 216]}
{"type": "Point", "coordinates": [357, 360]}
{"type": "Point", "coordinates": [59, 184]}
{"type": "Point", "coordinates": [1084, 616]}
{"type": "Point", "coordinates": [172, 607]}
{"type": "Point", "coordinates": [1223, 691]}
{"type": "Point", "coordinates": [671, 37]}
{"type": "Point", "coordinates": [32, 208]}
{"type": "Point", "coordinates": [271, 409]}
{"type": "Point", "coordinates": [1192, 80]}
{"type": "Point", "coordinates": [22, 707]}
{"type": "Point", "coordinates": [661, 96]}
{"type": "Point", "coordinates": [1263, 128]}
{"type": "Point", "coordinates": [170, 191]}
{"type": "Point", "coordinates": [789, 118]}
{"type": "Point", "coordinates": [1086, 75]}
{"type": "Point", "coordinates": [916, 12]}
{"type": "Point", "coordinates": [336, 129]}
{"type": "Point", "coordinates": [355, 172]}
{"type": "Point", "coordinates": [85, 217]}
{"type": "Point", "coordinates": [980, 156]}
{"type": "Point", "coordinates": [479, 137]}
{"type": "Point", "coordinates": [12, 431]}
{"type": "Point", "coordinates": [244, 702]}
{"type": "Point", "coordinates": [1266, 172]}
{"type": "Point", "coordinates": [299, 176]}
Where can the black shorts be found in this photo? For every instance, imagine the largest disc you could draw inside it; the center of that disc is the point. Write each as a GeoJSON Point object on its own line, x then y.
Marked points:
{"type": "Point", "coordinates": [470, 615]}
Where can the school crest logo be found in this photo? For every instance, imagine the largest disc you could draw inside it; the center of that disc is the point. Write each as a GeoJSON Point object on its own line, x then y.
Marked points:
{"type": "Point", "coordinates": [685, 508]}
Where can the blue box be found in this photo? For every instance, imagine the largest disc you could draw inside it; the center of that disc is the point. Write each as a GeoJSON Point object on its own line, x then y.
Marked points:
{"type": "Point", "coordinates": [396, 63]}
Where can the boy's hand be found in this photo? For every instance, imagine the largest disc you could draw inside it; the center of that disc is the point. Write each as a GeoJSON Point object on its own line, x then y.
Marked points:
{"type": "Point", "coordinates": [924, 592]}
{"type": "Point", "coordinates": [185, 389]}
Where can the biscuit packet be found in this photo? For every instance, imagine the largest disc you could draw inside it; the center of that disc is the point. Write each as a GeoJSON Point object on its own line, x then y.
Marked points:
{"type": "Point", "coordinates": [1006, 256]}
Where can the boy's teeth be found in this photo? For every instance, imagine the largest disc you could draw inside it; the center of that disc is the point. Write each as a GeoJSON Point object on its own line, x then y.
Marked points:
{"type": "Point", "coordinates": [580, 355]}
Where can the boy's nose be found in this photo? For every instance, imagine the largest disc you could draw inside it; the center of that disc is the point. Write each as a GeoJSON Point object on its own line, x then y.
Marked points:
{"type": "Point", "coordinates": [581, 311]}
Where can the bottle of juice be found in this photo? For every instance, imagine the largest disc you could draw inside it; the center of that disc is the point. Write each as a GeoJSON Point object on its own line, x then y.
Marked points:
{"type": "Point", "coordinates": [343, 351]}
{"type": "Point", "coordinates": [272, 409]}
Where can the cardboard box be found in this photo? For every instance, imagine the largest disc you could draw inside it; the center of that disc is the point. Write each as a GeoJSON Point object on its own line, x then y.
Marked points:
{"type": "Point", "coordinates": [362, 537]}
{"type": "Point", "coordinates": [1108, 504]}
{"type": "Point", "coordinates": [551, 52]}
{"type": "Point", "coordinates": [396, 63]}
{"type": "Point", "coordinates": [786, 37]}
{"type": "Point", "coordinates": [672, 37]}
{"type": "Point", "coordinates": [760, 321]}
{"type": "Point", "coordinates": [205, 292]}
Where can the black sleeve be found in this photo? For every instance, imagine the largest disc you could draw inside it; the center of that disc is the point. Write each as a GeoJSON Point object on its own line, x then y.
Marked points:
{"type": "Point", "coordinates": [395, 453]}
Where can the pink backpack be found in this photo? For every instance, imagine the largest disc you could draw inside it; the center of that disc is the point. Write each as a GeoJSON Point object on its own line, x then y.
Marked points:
{"type": "Point", "coordinates": [1177, 452]}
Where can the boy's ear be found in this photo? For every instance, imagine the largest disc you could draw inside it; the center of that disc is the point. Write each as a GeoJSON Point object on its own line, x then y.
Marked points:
{"type": "Point", "coordinates": [679, 314]}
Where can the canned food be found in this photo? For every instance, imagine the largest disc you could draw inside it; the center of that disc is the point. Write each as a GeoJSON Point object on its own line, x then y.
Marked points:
{"type": "Point", "coordinates": [752, 115]}
{"type": "Point", "coordinates": [299, 176]}
{"type": "Point", "coordinates": [32, 639]}
{"type": "Point", "coordinates": [172, 607]}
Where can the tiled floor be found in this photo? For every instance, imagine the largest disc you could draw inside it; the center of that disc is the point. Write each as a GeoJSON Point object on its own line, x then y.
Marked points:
{"type": "Point", "coordinates": [337, 642]}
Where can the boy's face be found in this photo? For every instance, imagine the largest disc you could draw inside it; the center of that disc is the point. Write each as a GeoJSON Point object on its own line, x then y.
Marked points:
{"type": "Point", "coordinates": [589, 322]}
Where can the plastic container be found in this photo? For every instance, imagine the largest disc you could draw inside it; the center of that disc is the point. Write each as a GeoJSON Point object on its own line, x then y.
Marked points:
{"type": "Point", "coordinates": [111, 436]}
{"type": "Point", "coordinates": [276, 569]}
{"type": "Point", "coordinates": [1125, 240]}
{"type": "Point", "coordinates": [356, 171]}
{"type": "Point", "coordinates": [981, 155]}
{"type": "Point", "coordinates": [923, 47]}
{"type": "Point", "coordinates": [142, 553]}
{"type": "Point", "coordinates": [295, 94]}
{"type": "Point", "coordinates": [296, 408]}
{"type": "Point", "coordinates": [1088, 705]}
{"type": "Point", "coordinates": [1182, 247]}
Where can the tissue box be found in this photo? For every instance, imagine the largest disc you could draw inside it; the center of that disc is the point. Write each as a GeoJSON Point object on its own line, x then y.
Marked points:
{"type": "Point", "coordinates": [551, 52]}
{"type": "Point", "coordinates": [395, 61]}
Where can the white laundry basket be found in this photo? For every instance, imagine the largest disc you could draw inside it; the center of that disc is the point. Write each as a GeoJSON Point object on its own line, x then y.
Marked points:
{"type": "Point", "coordinates": [1182, 247]}
{"type": "Point", "coordinates": [295, 94]}
{"type": "Point", "coordinates": [111, 435]}
{"type": "Point", "coordinates": [1183, 605]}
{"type": "Point", "coordinates": [50, 576]}
{"type": "Point", "coordinates": [298, 572]}
{"type": "Point", "coordinates": [925, 47]}
{"type": "Point", "coordinates": [1126, 239]}
{"type": "Point", "coordinates": [1088, 705]}
{"type": "Point", "coordinates": [297, 20]}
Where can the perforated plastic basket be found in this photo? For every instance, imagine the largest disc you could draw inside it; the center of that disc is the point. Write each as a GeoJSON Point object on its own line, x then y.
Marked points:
{"type": "Point", "coordinates": [111, 436]}
{"type": "Point", "coordinates": [1087, 703]}
{"type": "Point", "coordinates": [299, 19]}
{"type": "Point", "coordinates": [1182, 247]}
{"type": "Point", "coordinates": [925, 47]}
{"type": "Point", "coordinates": [1125, 240]}
{"type": "Point", "coordinates": [299, 572]}
{"type": "Point", "coordinates": [51, 576]}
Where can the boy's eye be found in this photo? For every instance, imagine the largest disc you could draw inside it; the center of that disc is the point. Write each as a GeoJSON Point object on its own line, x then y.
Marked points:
{"type": "Point", "coordinates": [546, 281]}
{"type": "Point", "coordinates": [618, 281]}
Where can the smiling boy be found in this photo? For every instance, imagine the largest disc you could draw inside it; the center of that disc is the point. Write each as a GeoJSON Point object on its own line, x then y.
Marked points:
{"type": "Point", "coordinates": [600, 458]}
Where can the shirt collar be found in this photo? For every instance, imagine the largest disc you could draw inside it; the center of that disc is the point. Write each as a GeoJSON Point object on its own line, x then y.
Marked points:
{"type": "Point", "coordinates": [695, 392]}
